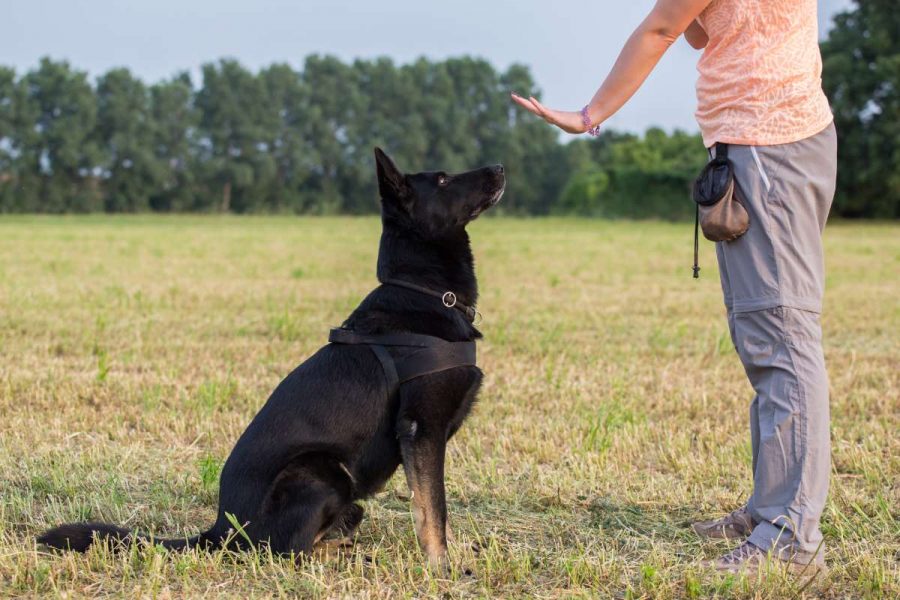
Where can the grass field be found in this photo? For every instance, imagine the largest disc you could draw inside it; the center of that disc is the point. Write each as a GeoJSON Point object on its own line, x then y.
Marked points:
{"type": "Point", "coordinates": [134, 350]}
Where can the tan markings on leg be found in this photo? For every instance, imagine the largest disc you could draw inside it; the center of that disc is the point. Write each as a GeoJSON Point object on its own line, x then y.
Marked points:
{"type": "Point", "coordinates": [418, 513]}
{"type": "Point", "coordinates": [428, 529]}
{"type": "Point", "coordinates": [451, 539]}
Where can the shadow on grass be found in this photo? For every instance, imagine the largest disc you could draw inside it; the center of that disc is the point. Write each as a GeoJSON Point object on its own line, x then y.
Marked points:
{"type": "Point", "coordinates": [639, 521]}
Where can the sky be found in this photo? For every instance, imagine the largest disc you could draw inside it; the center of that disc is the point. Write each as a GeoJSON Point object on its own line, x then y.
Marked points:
{"type": "Point", "coordinates": [570, 45]}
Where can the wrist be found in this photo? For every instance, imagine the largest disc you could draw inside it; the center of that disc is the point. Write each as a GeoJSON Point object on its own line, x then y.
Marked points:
{"type": "Point", "coordinates": [590, 121]}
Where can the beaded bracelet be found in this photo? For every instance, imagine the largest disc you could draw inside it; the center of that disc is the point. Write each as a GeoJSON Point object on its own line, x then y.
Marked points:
{"type": "Point", "coordinates": [586, 119]}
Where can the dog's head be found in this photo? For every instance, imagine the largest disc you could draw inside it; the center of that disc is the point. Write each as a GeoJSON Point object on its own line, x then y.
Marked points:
{"type": "Point", "coordinates": [434, 202]}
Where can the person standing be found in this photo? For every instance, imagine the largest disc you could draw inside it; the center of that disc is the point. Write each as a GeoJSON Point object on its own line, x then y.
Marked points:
{"type": "Point", "coordinates": [759, 91]}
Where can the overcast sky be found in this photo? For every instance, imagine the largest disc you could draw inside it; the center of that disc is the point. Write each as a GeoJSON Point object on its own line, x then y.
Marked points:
{"type": "Point", "coordinates": [569, 44]}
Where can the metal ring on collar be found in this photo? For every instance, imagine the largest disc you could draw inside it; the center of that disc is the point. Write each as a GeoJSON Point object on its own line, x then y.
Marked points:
{"type": "Point", "coordinates": [449, 299]}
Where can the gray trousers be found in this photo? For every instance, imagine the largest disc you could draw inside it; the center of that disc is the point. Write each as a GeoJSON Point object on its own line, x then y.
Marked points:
{"type": "Point", "coordinates": [773, 282]}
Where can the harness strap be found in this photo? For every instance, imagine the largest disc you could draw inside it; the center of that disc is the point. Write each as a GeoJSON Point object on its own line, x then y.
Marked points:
{"type": "Point", "coordinates": [345, 336]}
{"type": "Point", "coordinates": [432, 354]}
{"type": "Point", "coordinates": [434, 360]}
{"type": "Point", "coordinates": [387, 365]}
{"type": "Point", "coordinates": [448, 298]}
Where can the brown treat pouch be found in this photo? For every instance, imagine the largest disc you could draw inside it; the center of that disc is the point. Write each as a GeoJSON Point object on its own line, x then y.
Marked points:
{"type": "Point", "coordinates": [724, 221]}
{"type": "Point", "coordinates": [720, 213]}
{"type": "Point", "coordinates": [722, 216]}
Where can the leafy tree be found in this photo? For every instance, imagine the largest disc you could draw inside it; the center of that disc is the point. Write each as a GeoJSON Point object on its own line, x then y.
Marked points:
{"type": "Point", "coordinates": [583, 195]}
{"type": "Point", "coordinates": [174, 130]}
{"type": "Point", "coordinates": [125, 130]}
{"type": "Point", "coordinates": [234, 156]}
{"type": "Point", "coordinates": [391, 114]}
{"type": "Point", "coordinates": [861, 76]}
{"type": "Point", "coordinates": [288, 141]}
{"type": "Point", "coordinates": [334, 101]}
{"type": "Point", "coordinates": [536, 163]}
{"type": "Point", "coordinates": [59, 111]}
{"type": "Point", "coordinates": [7, 139]}
{"type": "Point", "coordinates": [628, 176]}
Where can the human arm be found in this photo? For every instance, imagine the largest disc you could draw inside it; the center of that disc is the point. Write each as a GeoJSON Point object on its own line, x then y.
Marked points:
{"type": "Point", "coordinates": [659, 30]}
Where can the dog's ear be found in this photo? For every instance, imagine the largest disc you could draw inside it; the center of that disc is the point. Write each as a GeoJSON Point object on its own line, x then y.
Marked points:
{"type": "Point", "coordinates": [392, 183]}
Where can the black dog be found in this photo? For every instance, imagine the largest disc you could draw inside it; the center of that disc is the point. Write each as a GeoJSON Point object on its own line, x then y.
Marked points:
{"type": "Point", "coordinates": [339, 425]}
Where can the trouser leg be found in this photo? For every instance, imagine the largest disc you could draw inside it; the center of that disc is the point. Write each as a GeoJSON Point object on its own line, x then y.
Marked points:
{"type": "Point", "coordinates": [722, 260]}
{"type": "Point", "coordinates": [781, 351]}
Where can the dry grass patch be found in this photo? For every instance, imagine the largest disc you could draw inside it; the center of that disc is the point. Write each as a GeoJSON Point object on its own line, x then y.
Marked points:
{"type": "Point", "coordinates": [133, 351]}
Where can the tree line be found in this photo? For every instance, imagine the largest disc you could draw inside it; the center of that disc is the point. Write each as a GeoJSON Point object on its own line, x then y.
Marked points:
{"type": "Point", "coordinates": [300, 141]}
{"type": "Point", "coordinates": [277, 140]}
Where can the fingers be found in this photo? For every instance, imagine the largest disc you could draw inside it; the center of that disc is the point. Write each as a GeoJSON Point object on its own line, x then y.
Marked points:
{"type": "Point", "coordinates": [534, 106]}
{"type": "Point", "coordinates": [537, 104]}
{"type": "Point", "coordinates": [538, 107]}
{"type": "Point", "coordinates": [526, 104]}
{"type": "Point", "coordinates": [548, 115]}
{"type": "Point", "coordinates": [521, 101]}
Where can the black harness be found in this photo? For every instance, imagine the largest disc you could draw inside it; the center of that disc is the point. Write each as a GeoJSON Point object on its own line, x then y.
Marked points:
{"type": "Point", "coordinates": [421, 354]}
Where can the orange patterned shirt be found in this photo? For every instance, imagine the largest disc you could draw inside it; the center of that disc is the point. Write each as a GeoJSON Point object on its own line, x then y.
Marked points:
{"type": "Point", "coordinates": [761, 73]}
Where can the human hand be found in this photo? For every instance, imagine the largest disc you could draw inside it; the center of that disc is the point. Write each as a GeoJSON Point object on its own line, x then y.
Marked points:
{"type": "Point", "coordinates": [568, 121]}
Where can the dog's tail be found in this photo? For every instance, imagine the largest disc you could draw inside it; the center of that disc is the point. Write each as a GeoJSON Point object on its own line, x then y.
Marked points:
{"type": "Point", "coordinates": [79, 537]}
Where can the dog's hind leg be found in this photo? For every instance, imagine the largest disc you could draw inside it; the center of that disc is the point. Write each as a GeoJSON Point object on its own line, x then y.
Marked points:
{"type": "Point", "coordinates": [298, 526]}
{"type": "Point", "coordinates": [304, 503]}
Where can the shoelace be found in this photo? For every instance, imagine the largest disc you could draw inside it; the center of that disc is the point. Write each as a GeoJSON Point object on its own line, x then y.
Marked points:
{"type": "Point", "coordinates": [740, 515]}
{"type": "Point", "coordinates": [740, 519]}
{"type": "Point", "coordinates": [743, 552]}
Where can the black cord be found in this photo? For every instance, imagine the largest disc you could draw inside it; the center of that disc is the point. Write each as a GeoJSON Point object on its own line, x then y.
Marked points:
{"type": "Point", "coordinates": [697, 242]}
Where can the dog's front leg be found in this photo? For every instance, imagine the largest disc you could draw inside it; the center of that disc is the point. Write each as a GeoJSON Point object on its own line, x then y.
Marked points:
{"type": "Point", "coordinates": [423, 462]}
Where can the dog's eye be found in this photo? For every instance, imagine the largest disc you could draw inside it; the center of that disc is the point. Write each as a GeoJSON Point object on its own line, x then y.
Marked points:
{"type": "Point", "coordinates": [443, 180]}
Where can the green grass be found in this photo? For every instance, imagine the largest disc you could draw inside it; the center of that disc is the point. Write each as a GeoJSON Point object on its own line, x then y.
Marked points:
{"type": "Point", "coordinates": [134, 350]}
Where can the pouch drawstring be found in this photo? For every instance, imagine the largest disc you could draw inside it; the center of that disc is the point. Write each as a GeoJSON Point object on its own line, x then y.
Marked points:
{"type": "Point", "coordinates": [697, 241]}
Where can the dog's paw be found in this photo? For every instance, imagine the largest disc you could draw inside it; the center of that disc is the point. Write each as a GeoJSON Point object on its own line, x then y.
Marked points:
{"type": "Point", "coordinates": [439, 563]}
{"type": "Point", "coordinates": [337, 542]}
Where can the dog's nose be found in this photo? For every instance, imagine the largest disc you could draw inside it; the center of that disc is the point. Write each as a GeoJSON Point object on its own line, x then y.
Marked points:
{"type": "Point", "coordinates": [498, 169]}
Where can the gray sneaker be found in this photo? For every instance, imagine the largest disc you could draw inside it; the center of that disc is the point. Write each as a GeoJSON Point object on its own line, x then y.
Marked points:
{"type": "Point", "coordinates": [749, 560]}
{"type": "Point", "coordinates": [736, 525]}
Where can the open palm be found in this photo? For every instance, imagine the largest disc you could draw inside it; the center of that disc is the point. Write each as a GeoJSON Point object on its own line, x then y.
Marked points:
{"type": "Point", "coordinates": [568, 121]}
